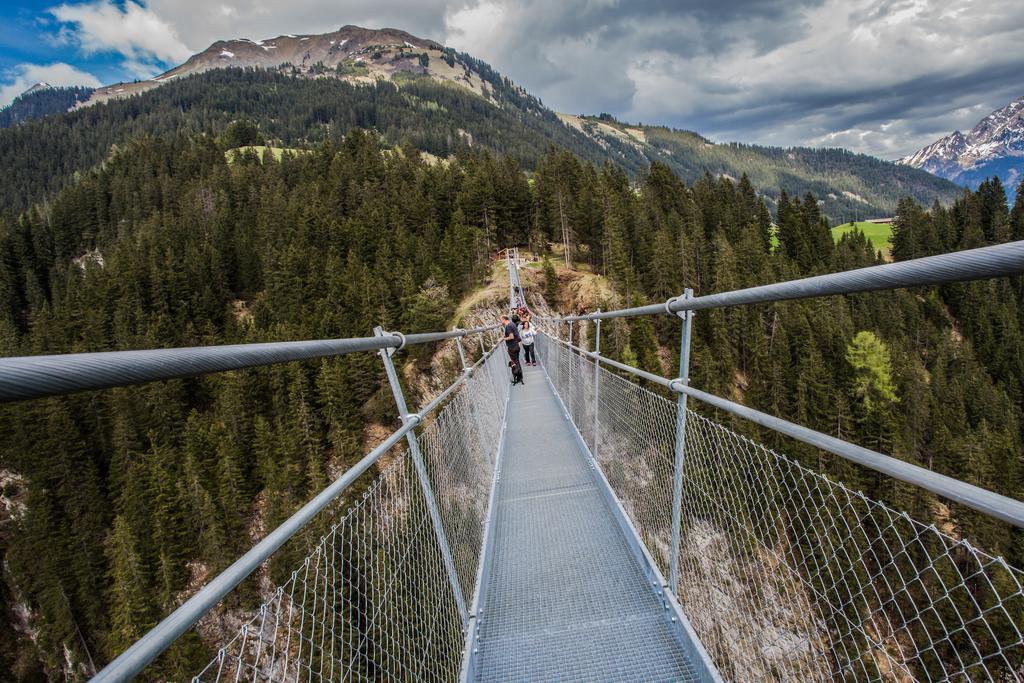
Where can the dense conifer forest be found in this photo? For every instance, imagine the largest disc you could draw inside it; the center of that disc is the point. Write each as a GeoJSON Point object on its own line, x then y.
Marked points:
{"type": "Point", "coordinates": [42, 156]}
{"type": "Point", "coordinates": [132, 495]}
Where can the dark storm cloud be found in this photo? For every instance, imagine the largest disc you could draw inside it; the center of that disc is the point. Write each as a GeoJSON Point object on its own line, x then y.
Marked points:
{"type": "Point", "coordinates": [882, 77]}
{"type": "Point", "coordinates": [879, 76]}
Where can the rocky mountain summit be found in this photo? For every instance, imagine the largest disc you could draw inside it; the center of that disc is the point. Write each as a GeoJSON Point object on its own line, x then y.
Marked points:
{"type": "Point", "coordinates": [351, 53]}
{"type": "Point", "coordinates": [994, 147]}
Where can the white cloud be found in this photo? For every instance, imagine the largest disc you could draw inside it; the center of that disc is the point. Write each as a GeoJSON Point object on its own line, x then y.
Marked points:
{"type": "Point", "coordinates": [140, 35]}
{"type": "Point", "coordinates": [478, 28]}
{"type": "Point", "coordinates": [878, 76]}
{"type": "Point", "coordinates": [202, 22]}
{"type": "Point", "coordinates": [20, 78]}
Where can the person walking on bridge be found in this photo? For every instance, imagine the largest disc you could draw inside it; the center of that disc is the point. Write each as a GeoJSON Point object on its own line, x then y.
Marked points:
{"type": "Point", "coordinates": [512, 340]}
{"type": "Point", "coordinates": [526, 335]}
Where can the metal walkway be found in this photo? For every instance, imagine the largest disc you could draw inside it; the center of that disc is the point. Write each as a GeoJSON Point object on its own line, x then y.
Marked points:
{"type": "Point", "coordinates": [566, 598]}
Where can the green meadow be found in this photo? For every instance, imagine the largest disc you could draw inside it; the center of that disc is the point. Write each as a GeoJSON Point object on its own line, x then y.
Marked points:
{"type": "Point", "coordinates": [878, 234]}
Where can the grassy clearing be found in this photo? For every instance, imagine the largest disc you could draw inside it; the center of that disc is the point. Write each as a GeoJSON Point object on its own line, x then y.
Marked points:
{"type": "Point", "coordinates": [879, 234]}
{"type": "Point", "coordinates": [496, 290]}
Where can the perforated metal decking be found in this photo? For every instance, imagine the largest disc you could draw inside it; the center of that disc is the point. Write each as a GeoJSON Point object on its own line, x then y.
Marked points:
{"type": "Point", "coordinates": [565, 597]}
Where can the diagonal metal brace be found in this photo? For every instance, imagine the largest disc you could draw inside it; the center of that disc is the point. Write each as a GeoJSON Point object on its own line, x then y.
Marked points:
{"type": "Point", "coordinates": [422, 475]}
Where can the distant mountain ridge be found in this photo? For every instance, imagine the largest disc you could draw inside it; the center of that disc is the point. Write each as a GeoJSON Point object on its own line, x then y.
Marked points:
{"type": "Point", "coordinates": [440, 95]}
{"type": "Point", "coordinates": [352, 53]}
{"type": "Point", "coordinates": [42, 99]}
{"type": "Point", "coordinates": [994, 147]}
{"type": "Point", "coordinates": [851, 186]}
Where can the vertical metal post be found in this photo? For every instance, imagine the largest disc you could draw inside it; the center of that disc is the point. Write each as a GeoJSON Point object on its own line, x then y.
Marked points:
{"type": "Point", "coordinates": [677, 482]}
{"type": "Point", "coordinates": [597, 383]}
{"type": "Point", "coordinates": [483, 352]}
{"type": "Point", "coordinates": [508, 265]}
{"type": "Point", "coordinates": [421, 473]}
{"type": "Point", "coordinates": [570, 332]}
{"type": "Point", "coordinates": [462, 354]}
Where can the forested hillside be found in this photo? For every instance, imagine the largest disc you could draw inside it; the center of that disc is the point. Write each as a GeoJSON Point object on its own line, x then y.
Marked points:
{"type": "Point", "coordinates": [440, 117]}
{"type": "Point", "coordinates": [123, 500]}
{"type": "Point", "coordinates": [133, 493]}
{"type": "Point", "coordinates": [848, 185]}
{"type": "Point", "coordinates": [40, 102]}
{"type": "Point", "coordinates": [42, 156]}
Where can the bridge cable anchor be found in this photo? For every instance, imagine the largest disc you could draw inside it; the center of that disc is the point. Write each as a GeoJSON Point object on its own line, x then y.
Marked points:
{"type": "Point", "coordinates": [668, 307]}
{"type": "Point", "coordinates": [392, 349]}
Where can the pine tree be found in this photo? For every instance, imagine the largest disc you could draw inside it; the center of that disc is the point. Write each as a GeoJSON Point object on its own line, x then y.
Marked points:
{"type": "Point", "coordinates": [872, 390]}
{"type": "Point", "coordinates": [1017, 215]}
{"type": "Point", "coordinates": [131, 609]}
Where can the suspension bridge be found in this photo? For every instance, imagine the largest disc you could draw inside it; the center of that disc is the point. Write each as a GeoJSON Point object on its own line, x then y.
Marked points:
{"type": "Point", "coordinates": [585, 527]}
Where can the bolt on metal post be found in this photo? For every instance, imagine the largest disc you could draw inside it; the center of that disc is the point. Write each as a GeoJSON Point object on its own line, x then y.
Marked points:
{"type": "Point", "coordinates": [422, 475]}
{"type": "Point", "coordinates": [677, 482]}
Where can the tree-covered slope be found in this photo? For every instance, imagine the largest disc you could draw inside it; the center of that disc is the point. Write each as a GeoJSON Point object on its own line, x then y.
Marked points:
{"type": "Point", "coordinates": [41, 156]}
{"type": "Point", "coordinates": [441, 117]}
{"type": "Point", "coordinates": [849, 185]}
{"type": "Point", "coordinates": [127, 493]}
{"type": "Point", "coordinates": [41, 101]}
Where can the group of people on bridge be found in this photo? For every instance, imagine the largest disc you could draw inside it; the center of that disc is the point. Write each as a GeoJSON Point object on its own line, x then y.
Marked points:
{"type": "Point", "coordinates": [518, 331]}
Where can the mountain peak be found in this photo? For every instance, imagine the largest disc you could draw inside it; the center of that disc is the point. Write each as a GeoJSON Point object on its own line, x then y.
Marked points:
{"type": "Point", "coordinates": [352, 53]}
{"type": "Point", "coordinates": [995, 146]}
{"type": "Point", "coordinates": [36, 88]}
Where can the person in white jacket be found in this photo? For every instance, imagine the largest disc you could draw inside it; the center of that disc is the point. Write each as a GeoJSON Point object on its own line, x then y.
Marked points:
{"type": "Point", "coordinates": [526, 335]}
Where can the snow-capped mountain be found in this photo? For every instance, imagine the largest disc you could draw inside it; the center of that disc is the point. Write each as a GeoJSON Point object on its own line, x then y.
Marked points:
{"type": "Point", "coordinates": [994, 147]}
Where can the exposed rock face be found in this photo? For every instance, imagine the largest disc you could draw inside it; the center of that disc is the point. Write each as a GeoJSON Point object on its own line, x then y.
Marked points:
{"type": "Point", "coordinates": [994, 147]}
{"type": "Point", "coordinates": [349, 44]}
{"type": "Point", "coordinates": [352, 53]}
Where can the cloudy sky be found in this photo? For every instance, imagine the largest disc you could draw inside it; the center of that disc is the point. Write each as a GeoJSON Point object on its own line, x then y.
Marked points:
{"type": "Point", "coordinates": [883, 77]}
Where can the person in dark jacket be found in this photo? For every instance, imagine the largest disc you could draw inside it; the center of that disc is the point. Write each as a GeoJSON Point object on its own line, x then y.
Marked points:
{"type": "Point", "coordinates": [512, 340]}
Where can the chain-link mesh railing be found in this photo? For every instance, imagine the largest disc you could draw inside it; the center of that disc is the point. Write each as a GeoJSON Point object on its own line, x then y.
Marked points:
{"type": "Point", "coordinates": [786, 574]}
{"type": "Point", "coordinates": [373, 600]}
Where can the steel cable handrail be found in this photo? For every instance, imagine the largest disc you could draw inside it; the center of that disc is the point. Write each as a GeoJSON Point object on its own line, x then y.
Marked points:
{"type": "Point", "coordinates": [992, 504]}
{"type": "Point", "coordinates": [971, 264]}
{"type": "Point", "coordinates": [27, 377]}
{"type": "Point", "coordinates": [141, 653]}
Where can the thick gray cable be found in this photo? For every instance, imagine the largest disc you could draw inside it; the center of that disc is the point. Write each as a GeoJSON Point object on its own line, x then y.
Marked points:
{"type": "Point", "coordinates": [150, 646]}
{"type": "Point", "coordinates": [992, 504]}
{"type": "Point", "coordinates": [145, 650]}
{"type": "Point", "coordinates": [973, 264]}
{"type": "Point", "coordinates": [27, 377]}
{"type": "Point", "coordinates": [988, 502]}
